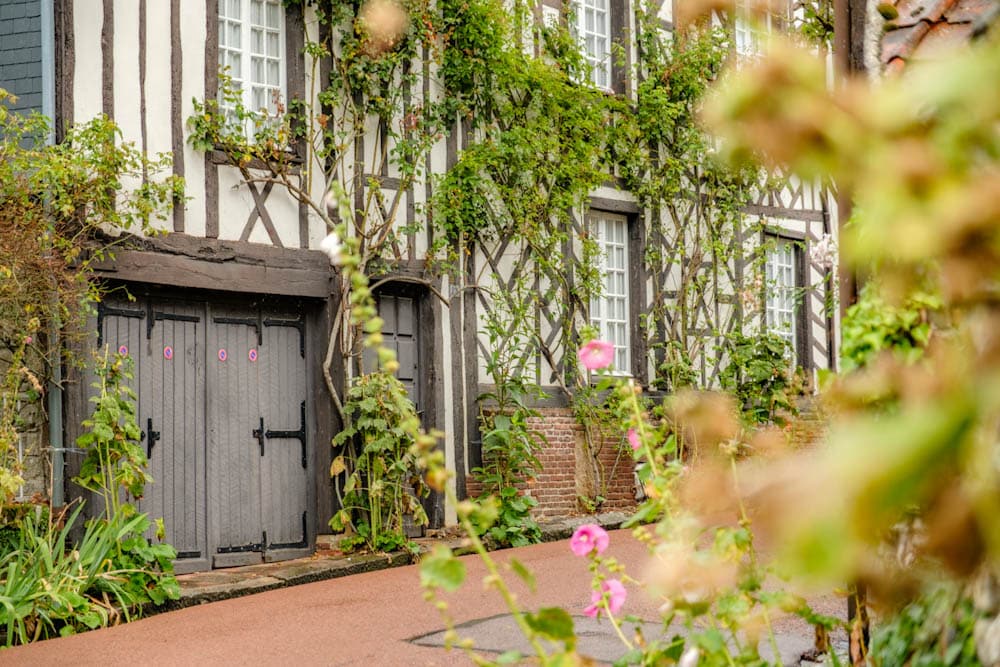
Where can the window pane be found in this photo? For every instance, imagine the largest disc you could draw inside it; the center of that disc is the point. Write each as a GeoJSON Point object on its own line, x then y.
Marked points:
{"type": "Point", "coordinates": [272, 44]}
{"type": "Point", "coordinates": [257, 12]}
{"type": "Point", "coordinates": [273, 15]}
{"type": "Point", "coordinates": [272, 73]}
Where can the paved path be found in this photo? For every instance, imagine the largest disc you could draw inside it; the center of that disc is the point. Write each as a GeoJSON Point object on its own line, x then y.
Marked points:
{"type": "Point", "coordinates": [365, 619]}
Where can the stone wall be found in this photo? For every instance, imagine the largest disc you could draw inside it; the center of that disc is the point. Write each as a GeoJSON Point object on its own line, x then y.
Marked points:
{"type": "Point", "coordinates": [32, 438]}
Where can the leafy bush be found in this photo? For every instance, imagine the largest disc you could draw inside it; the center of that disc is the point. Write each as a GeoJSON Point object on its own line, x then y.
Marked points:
{"type": "Point", "coordinates": [509, 442]}
{"type": "Point", "coordinates": [934, 630]}
{"type": "Point", "coordinates": [509, 447]}
{"type": "Point", "coordinates": [759, 376]}
{"type": "Point", "coordinates": [384, 484]}
{"type": "Point", "coordinates": [51, 586]}
{"type": "Point", "coordinates": [872, 325]}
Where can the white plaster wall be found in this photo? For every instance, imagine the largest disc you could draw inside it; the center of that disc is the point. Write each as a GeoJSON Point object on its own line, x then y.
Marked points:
{"type": "Point", "coordinates": [158, 106]}
{"type": "Point", "coordinates": [193, 37]}
{"type": "Point", "coordinates": [87, 84]}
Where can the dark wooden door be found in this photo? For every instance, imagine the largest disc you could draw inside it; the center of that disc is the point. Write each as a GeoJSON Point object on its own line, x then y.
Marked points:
{"type": "Point", "coordinates": [284, 407]}
{"type": "Point", "coordinates": [400, 314]}
{"type": "Point", "coordinates": [258, 444]}
{"type": "Point", "coordinates": [165, 342]}
{"type": "Point", "coordinates": [234, 447]}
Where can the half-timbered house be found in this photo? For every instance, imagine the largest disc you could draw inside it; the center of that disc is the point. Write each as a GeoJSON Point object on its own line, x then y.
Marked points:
{"type": "Point", "coordinates": [232, 307]}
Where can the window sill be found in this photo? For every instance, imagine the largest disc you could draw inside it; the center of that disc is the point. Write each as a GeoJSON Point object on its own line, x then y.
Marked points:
{"type": "Point", "coordinates": [219, 157]}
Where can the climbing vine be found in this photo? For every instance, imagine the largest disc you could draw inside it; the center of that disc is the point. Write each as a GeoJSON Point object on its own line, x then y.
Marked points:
{"type": "Point", "coordinates": [529, 142]}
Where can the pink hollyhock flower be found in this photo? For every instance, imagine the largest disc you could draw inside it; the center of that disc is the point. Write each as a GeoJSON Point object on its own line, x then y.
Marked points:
{"type": "Point", "coordinates": [589, 537]}
{"type": "Point", "coordinates": [596, 354]}
{"type": "Point", "coordinates": [28, 340]}
{"type": "Point", "coordinates": [616, 594]}
{"type": "Point", "coordinates": [633, 439]}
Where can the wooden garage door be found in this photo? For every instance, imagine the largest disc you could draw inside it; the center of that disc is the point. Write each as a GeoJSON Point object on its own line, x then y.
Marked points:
{"type": "Point", "coordinates": [222, 402]}
{"type": "Point", "coordinates": [258, 446]}
{"type": "Point", "coordinates": [166, 343]}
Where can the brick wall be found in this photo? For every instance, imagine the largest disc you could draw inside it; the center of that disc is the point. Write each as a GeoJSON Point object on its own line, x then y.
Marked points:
{"type": "Point", "coordinates": [568, 473]}
{"type": "Point", "coordinates": [21, 52]}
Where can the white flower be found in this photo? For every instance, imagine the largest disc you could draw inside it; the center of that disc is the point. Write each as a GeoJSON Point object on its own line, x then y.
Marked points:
{"type": "Point", "coordinates": [690, 658]}
{"type": "Point", "coordinates": [332, 246]}
{"type": "Point", "coordinates": [824, 252]}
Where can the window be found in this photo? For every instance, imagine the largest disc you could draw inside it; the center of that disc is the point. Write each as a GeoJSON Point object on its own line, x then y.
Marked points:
{"type": "Point", "coordinates": [780, 307]}
{"type": "Point", "coordinates": [609, 311]}
{"type": "Point", "coordinates": [750, 30]}
{"type": "Point", "coordinates": [593, 30]}
{"type": "Point", "coordinates": [251, 45]}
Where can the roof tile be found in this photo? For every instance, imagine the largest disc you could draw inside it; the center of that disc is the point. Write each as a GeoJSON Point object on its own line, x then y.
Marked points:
{"type": "Point", "coordinates": [968, 10]}
{"type": "Point", "coordinates": [941, 38]}
{"type": "Point", "coordinates": [912, 12]}
{"type": "Point", "coordinates": [925, 28]}
{"type": "Point", "coordinates": [901, 42]}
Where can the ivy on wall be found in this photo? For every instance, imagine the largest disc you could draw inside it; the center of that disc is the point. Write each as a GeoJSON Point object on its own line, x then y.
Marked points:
{"type": "Point", "coordinates": [535, 142]}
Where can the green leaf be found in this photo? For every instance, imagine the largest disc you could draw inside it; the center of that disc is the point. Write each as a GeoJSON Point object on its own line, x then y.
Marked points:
{"type": "Point", "coordinates": [523, 573]}
{"type": "Point", "coordinates": [552, 622]}
{"type": "Point", "coordinates": [509, 658]}
{"type": "Point", "coordinates": [440, 569]}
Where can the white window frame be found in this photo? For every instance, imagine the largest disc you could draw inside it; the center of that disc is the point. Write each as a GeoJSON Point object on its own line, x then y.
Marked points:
{"type": "Point", "coordinates": [781, 302]}
{"type": "Point", "coordinates": [609, 312]}
{"type": "Point", "coordinates": [595, 42]}
{"type": "Point", "coordinates": [236, 21]}
{"type": "Point", "coordinates": [749, 32]}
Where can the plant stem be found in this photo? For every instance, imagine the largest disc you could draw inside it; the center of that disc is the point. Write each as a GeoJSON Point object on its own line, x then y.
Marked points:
{"type": "Point", "coordinates": [505, 592]}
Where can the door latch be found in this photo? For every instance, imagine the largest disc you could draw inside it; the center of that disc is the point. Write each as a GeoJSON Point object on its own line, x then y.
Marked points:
{"type": "Point", "coordinates": [150, 436]}
{"type": "Point", "coordinates": [260, 435]}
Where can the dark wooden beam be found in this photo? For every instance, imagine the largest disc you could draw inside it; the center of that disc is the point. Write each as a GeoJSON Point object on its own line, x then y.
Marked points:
{"type": "Point", "coordinates": [784, 213]}
{"type": "Point", "coordinates": [614, 205]}
{"type": "Point", "coordinates": [257, 271]}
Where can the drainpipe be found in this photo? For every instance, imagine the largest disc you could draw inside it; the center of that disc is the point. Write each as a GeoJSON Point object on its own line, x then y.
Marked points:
{"type": "Point", "coordinates": [55, 421]}
{"type": "Point", "coordinates": [55, 398]}
{"type": "Point", "coordinates": [47, 16]}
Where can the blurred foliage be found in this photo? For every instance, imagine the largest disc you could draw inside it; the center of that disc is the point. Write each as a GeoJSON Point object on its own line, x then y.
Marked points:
{"type": "Point", "coordinates": [912, 433]}
{"type": "Point", "coordinates": [919, 157]}
{"type": "Point", "coordinates": [873, 325]}
{"type": "Point", "coordinates": [936, 630]}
